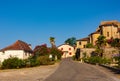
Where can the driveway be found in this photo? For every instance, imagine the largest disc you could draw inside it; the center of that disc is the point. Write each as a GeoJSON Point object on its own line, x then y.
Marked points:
{"type": "Point", "coordinates": [74, 71]}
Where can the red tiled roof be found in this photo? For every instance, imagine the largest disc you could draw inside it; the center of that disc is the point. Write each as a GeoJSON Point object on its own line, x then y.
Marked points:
{"type": "Point", "coordinates": [18, 45]}
{"type": "Point", "coordinates": [96, 32]}
{"type": "Point", "coordinates": [84, 39]}
{"type": "Point", "coordinates": [109, 23]}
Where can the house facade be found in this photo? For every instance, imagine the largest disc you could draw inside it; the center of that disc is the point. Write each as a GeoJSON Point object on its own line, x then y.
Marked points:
{"type": "Point", "coordinates": [68, 51]}
{"type": "Point", "coordinates": [19, 49]}
{"type": "Point", "coordinates": [81, 43]}
{"type": "Point", "coordinates": [93, 37]}
{"type": "Point", "coordinates": [109, 29]}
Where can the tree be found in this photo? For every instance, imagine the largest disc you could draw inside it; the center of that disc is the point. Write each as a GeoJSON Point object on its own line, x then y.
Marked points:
{"type": "Point", "coordinates": [41, 50]}
{"type": "Point", "coordinates": [56, 52]}
{"type": "Point", "coordinates": [101, 42]}
{"type": "Point", "coordinates": [71, 41]}
{"type": "Point", "coordinates": [115, 43]}
{"type": "Point", "coordinates": [52, 41]}
{"type": "Point", "coordinates": [89, 45]}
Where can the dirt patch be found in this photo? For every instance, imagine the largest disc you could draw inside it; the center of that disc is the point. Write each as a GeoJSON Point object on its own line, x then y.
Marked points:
{"type": "Point", "coordinates": [28, 74]}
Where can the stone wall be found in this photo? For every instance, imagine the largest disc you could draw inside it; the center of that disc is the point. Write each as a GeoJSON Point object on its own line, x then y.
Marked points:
{"type": "Point", "coordinates": [108, 52]}
{"type": "Point", "coordinates": [87, 51]}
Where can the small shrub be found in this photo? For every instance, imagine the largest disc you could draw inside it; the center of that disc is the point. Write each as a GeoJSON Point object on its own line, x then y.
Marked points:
{"type": "Point", "coordinates": [73, 57]}
{"type": "Point", "coordinates": [31, 62]}
{"type": "Point", "coordinates": [94, 60]}
{"type": "Point", "coordinates": [98, 60]}
{"type": "Point", "coordinates": [12, 63]}
{"type": "Point", "coordinates": [117, 58]}
{"type": "Point", "coordinates": [44, 60]}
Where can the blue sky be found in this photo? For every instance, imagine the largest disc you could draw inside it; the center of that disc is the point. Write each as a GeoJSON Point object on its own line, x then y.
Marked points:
{"type": "Point", "coordinates": [34, 21]}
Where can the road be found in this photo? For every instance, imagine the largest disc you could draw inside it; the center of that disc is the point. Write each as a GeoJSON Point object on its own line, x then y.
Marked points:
{"type": "Point", "coordinates": [69, 70]}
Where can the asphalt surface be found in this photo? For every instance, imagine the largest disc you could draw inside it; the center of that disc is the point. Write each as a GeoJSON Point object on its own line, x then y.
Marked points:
{"type": "Point", "coordinates": [69, 70]}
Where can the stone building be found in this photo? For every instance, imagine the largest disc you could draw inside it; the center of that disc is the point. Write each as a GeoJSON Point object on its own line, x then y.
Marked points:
{"type": "Point", "coordinates": [81, 43]}
{"type": "Point", "coordinates": [109, 29]}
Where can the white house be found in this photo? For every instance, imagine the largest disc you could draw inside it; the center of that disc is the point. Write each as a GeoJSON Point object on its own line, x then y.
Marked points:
{"type": "Point", "coordinates": [19, 49]}
{"type": "Point", "coordinates": [68, 51]}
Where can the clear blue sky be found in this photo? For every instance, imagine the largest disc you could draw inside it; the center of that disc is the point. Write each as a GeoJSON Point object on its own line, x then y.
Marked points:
{"type": "Point", "coordinates": [34, 21]}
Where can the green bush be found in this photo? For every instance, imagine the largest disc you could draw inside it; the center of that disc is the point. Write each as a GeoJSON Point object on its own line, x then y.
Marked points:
{"type": "Point", "coordinates": [36, 61]}
{"type": "Point", "coordinates": [44, 60]}
{"type": "Point", "coordinates": [12, 63]}
{"type": "Point", "coordinates": [117, 58]}
{"type": "Point", "coordinates": [73, 57]}
{"type": "Point", "coordinates": [105, 61]}
{"type": "Point", "coordinates": [98, 60]}
{"type": "Point", "coordinates": [56, 52]}
{"type": "Point", "coordinates": [94, 60]}
{"type": "Point", "coordinates": [31, 62]}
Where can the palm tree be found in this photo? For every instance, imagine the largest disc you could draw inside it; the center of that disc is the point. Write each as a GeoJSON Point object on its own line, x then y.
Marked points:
{"type": "Point", "coordinates": [101, 41]}
{"type": "Point", "coordinates": [52, 41]}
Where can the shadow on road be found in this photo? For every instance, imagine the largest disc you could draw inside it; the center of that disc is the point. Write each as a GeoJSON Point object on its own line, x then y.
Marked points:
{"type": "Point", "coordinates": [113, 70]}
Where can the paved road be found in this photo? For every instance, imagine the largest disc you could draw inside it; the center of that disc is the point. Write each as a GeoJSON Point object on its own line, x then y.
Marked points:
{"type": "Point", "coordinates": [74, 71]}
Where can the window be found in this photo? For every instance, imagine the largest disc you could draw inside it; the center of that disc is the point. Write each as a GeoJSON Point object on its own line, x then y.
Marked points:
{"type": "Point", "coordinates": [70, 53]}
{"type": "Point", "coordinates": [84, 46]}
{"type": "Point", "coordinates": [79, 43]}
{"type": "Point", "coordinates": [69, 48]}
{"type": "Point", "coordinates": [107, 34]}
{"type": "Point", "coordinates": [61, 48]}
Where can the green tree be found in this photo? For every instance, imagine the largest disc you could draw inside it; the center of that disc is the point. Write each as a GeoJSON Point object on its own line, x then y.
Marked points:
{"type": "Point", "coordinates": [101, 43]}
{"type": "Point", "coordinates": [89, 45]}
{"type": "Point", "coordinates": [41, 50]}
{"type": "Point", "coordinates": [55, 52]}
{"type": "Point", "coordinates": [71, 41]}
{"type": "Point", "coordinates": [115, 43]}
{"type": "Point", "coordinates": [52, 41]}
